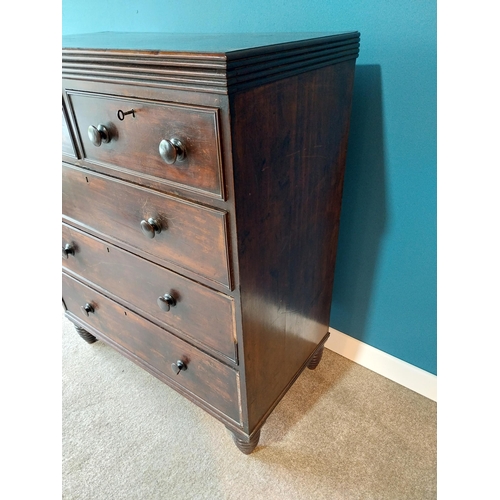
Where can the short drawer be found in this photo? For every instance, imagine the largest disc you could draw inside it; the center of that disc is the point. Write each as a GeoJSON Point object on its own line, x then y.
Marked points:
{"type": "Point", "coordinates": [203, 378]}
{"type": "Point", "coordinates": [194, 310]}
{"type": "Point", "coordinates": [135, 139]}
{"type": "Point", "coordinates": [68, 148]}
{"type": "Point", "coordinates": [190, 236]}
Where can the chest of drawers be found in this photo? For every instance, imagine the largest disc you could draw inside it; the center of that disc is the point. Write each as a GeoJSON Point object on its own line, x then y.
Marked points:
{"type": "Point", "coordinates": [202, 181]}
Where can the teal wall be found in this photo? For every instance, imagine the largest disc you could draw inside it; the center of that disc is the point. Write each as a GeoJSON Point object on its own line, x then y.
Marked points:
{"type": "Point", "coordinates": [385, 285]}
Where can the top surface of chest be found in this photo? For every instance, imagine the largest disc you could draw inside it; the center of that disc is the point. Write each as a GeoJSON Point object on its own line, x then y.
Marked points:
{"type": "Point", "coordinates": [217, 63]}
{"type": "Point", "coordinates": [228, 43]}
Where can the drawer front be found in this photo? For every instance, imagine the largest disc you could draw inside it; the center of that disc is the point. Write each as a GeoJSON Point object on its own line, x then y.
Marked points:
{"type": "Point", "coordinates": [134, 141]}
{"type": "Point", "coordinates": [205, 378]}
{"type": "Point", "coordinates": [198, 312]}
{"type": "Point", "coordinates": [192, 236]}
{"type": "Point", "coordinates": [68, 147]}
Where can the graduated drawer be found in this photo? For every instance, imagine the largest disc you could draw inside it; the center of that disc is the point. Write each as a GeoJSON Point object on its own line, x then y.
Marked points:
{"type": "Point", "coordinates": [192, 236]}
{"type": "Point", "coordinates": [199, 313]}
{"type": "Point", "coordinates": [134, 141]}
{"type": "Point", "coordinates": [204, 378]}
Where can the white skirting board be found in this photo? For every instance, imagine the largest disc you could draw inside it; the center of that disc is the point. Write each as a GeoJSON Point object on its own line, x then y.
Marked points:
{"type": "Point", "coordinates": [384, 364]}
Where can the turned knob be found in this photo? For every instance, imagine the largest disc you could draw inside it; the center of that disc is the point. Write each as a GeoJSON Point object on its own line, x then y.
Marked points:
{"type": "Point", "coordinates": [68, 250]}
{"type": "Point", "coordinates": [150, 227]}
{"type": "Point", "coordinates": [165, 302]}
{"type": "Point", "coordinates": [87, 309]}
{"type": "Point", "coordinates": [172, 150]}
{"type": "Point", "coordinates": [178, 366]}
{"type": "Point", "coordinates": [98, 135]}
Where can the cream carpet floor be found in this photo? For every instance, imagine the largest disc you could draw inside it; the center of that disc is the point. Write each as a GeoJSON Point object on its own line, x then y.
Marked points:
{"type": "Point", "coordinates": [342, 432]}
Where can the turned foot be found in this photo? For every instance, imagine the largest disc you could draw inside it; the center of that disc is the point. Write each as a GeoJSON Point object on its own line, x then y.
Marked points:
{"type": "Point", "coordinates": [247, 447]}
{"type": "Point", "coordinates": [88, 337]}
{"type": "Point", "coordinates": [314, 362]}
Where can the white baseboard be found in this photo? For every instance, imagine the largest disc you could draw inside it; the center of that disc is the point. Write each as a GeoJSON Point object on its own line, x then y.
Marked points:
{"type": "Point", "coordinates": [384, 364]}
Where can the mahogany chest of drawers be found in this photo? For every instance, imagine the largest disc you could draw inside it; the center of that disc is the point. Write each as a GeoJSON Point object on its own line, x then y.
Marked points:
{"type": "Point", "coordinates": [202, 181]}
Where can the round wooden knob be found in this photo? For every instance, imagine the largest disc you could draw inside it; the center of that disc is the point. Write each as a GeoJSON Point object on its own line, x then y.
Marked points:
{"type": "Point", "coordinates": [165, 302]}
{"type": "Point", "coordinates": [172, 150]}
{"type": "Point", "coordinates": [87, 309]}
{"type": "Point", "coordinates": [150, 227]}
{"type": "Point", "coordinates": [178, 366]}
{"type": "Point", "coordinates": [98, 135]}
{"type": "Point", "coordinates": [68, 250]}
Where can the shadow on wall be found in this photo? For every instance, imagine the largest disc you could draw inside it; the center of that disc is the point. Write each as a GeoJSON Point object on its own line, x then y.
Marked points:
{"type": "Point", "coordinates": [364, 213]}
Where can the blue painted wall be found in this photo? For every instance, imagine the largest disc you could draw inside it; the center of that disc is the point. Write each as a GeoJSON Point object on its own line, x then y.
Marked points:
{"type": "Point", "coordinates": [385, 284]}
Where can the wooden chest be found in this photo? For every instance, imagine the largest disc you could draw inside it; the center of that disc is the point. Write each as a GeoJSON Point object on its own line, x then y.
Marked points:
{"type": "Point", "coordinates": [202, 181]}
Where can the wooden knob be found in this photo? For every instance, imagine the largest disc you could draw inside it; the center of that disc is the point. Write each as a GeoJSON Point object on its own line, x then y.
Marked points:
{"type": "Point", "coordinates": [150, 227]}
{"type": "Point", "coordinates": [172, 150]}
{"type": "Point", "coordinates": [165, 302]}
{"type": "Point", "coordinates": [178, 366]}
{"type": "Point", "coordinates": [68, 250]}
{"type": "Point", "coordinates": [87, 309]}
{"type": "Point", "coordinates": [98, 135]}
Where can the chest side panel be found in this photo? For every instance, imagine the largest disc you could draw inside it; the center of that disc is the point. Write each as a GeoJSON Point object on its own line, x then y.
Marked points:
{"type": "Point", "coordinates": [289, 148]}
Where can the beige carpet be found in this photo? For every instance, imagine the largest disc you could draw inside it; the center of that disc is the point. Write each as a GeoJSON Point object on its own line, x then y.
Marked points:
{"type": "Point", "coordinates": [341, 432]}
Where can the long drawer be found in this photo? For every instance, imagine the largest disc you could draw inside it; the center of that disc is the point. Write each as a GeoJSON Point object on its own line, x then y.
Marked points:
{"type": "Point", "coordinates": [190, 308]}
{"type": "Point", "coordinates": [196, 373]}
{"type": "Point", "coordinates": [134, 140]}
{"type": "Point", "coordinates": [191, 236]}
